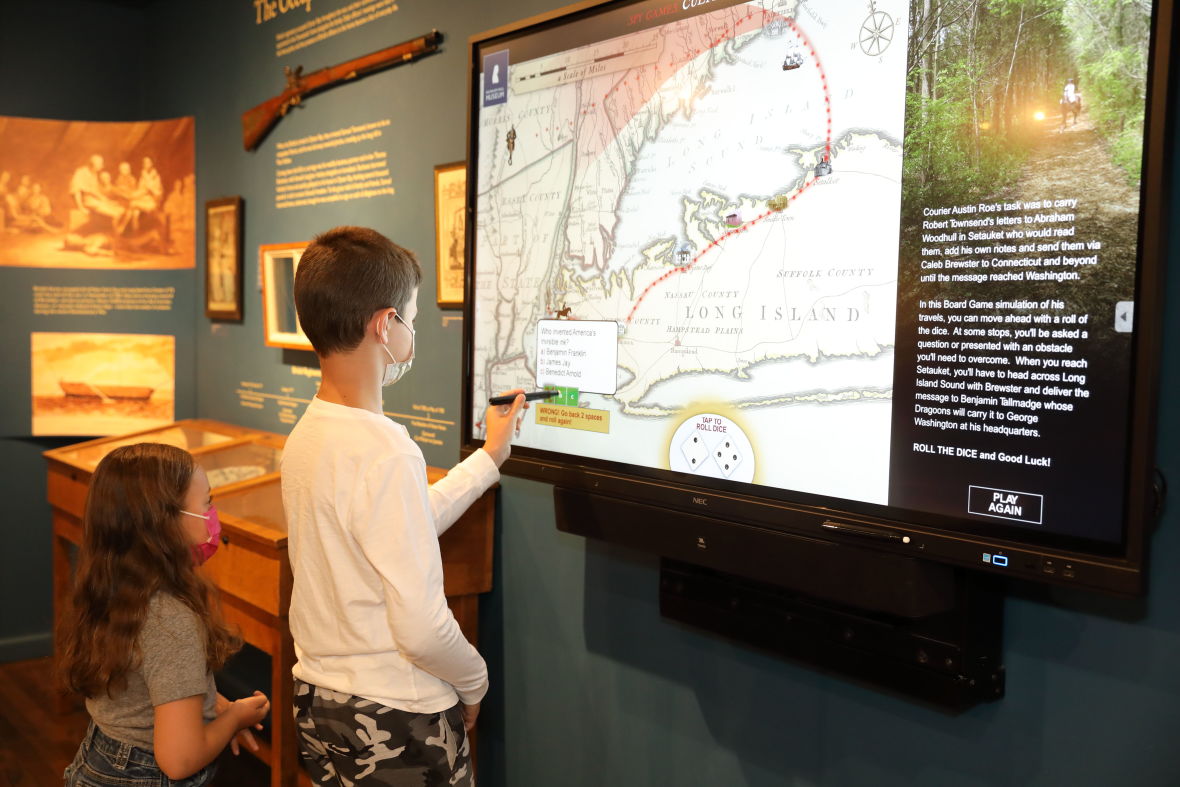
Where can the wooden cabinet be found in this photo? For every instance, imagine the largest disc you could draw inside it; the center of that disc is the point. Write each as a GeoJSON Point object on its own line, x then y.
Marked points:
{"type": "Point", "coordinates": [250, 563]}
{"type": "Point", "coordinates": [251, 568]}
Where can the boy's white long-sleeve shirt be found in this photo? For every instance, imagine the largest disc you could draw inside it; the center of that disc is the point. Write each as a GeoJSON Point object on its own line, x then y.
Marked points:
{"type": "Point", "coordinates": [368, 613]}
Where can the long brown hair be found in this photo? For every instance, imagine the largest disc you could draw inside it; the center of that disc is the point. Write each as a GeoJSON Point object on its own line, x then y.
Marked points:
{"type": "Point", "coordinates": [133, 546]}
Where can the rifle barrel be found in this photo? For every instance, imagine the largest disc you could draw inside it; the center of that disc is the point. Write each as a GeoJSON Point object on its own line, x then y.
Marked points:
{"type": "Point", "coordinates": [257, 122]}
{"type": "Point", "coordinates": [374, 61]}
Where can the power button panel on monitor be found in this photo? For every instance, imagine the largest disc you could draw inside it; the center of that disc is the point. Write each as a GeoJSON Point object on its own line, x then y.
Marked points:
{"type": "Point", "coordinates": [1047, 565]}
{"type": "Point", "coordinates": [1053, 566]}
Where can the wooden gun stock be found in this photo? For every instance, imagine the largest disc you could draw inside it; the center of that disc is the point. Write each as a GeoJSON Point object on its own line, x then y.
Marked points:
{"type": "Point", "coordinates": [257, 122]}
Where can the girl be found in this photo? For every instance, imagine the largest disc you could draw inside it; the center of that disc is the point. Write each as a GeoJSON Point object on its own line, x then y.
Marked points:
{"type": "Point", "coordinates": [144, 634]}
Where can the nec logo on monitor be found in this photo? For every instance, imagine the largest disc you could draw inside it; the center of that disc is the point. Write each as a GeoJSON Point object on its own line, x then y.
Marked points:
{"type": "Point", "coordinates": [495, 78]}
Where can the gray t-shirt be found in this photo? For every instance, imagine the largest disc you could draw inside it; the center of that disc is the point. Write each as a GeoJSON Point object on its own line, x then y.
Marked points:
{"type": "Point", "coordinates": [173, 667]}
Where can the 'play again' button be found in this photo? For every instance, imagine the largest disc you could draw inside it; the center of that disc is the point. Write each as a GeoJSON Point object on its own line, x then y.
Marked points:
{"type": "Point", "coordinates": [1124, 316]}
{"type": "Point", "coordinates": [1005, 504]}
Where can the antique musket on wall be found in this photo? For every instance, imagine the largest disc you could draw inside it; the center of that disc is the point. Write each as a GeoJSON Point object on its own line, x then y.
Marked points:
{"type": "Point", "coordinates": [257, 122]}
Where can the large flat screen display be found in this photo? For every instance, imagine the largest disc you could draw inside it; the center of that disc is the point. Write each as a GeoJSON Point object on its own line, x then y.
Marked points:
{"type": "Point", "coordinates": [896, 261]}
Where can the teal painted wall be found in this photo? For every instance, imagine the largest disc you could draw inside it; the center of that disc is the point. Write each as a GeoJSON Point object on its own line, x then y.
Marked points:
{"type": "Point", "coordinates": [590, 686]}
{"type": "Point", "coordinates": [69, 60]}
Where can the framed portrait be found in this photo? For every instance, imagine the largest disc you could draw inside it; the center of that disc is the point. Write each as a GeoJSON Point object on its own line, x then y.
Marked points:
{"type": "Point", "coordinates": [278, 263]}
{"type": "Point", "coordinates": [450, 225]}
{"type": "Point", "coordinates": [223, 259]}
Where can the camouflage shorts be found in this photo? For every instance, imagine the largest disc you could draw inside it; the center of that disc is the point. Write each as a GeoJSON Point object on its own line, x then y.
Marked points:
{"type": "Point", "coordinates": [346, 740]}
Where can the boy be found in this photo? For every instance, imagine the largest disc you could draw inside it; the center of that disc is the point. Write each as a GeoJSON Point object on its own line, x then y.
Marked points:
{"type": "Point", "coordinates": [385, 684]}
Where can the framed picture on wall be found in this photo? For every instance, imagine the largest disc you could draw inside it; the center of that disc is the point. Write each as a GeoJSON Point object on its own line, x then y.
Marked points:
{"type": "Point", "coordinates": [278, 263]}
{"type": "Point", "coordinates": [223, 259]}
{"type": "Point", "coordinates": [450, 212]}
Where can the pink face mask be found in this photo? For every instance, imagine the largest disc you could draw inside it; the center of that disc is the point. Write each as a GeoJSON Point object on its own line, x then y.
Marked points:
{"type": "Point", "coordinates": [205, 550]}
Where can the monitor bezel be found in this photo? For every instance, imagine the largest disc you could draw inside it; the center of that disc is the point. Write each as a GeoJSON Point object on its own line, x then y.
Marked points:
{"type": "Point", "coordinates": [1116, 568]}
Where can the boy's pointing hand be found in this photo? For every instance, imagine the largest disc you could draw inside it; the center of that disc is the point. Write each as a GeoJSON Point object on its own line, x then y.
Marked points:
{"type": "Point", "coordinates": [503, 421]}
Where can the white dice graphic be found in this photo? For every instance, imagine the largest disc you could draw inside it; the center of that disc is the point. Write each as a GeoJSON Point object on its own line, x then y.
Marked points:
{"type": "Point", "coordinates": [726, 456]}
{"type": "Point", "coordinates": [695, 452]}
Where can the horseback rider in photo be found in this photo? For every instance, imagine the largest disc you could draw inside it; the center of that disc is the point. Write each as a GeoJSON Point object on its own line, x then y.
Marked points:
{"type": "Point", "coordinates": [1071, 102]}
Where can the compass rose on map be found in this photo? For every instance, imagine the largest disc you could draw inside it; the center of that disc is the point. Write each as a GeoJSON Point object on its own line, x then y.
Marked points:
{"type": "Point", "coordinates": [876, 32]}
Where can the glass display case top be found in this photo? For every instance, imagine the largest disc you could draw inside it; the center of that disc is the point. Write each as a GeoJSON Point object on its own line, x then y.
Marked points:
{"type": "Point", "coordinates": [261, 504]}
{"type": "Point", "coordinates": [240, 462]}
{"type": "Point", "coordinates": [186, 437]}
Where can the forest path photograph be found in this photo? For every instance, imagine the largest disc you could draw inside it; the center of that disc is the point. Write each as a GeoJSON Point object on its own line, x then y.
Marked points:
{"type": "Point", "coordinates": [1075, 162]}
{"type": "Point", "coordinates": [988, 81]}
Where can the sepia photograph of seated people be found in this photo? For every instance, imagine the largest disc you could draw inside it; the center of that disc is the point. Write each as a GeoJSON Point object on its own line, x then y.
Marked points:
{"type": "Point", "coordinates": [24, 208]}
{"type": "Point", "coordinates": [106, 213]}
{"type": "Point", "coordinates": [76, 194]}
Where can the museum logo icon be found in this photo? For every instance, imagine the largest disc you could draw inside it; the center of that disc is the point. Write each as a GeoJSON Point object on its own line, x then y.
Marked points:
{"type": "Point", "coordinates": [495, 78]}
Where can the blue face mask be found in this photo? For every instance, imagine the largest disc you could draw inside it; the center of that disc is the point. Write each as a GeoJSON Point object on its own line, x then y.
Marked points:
{"type": "Point", "coordinates": [395, 369]}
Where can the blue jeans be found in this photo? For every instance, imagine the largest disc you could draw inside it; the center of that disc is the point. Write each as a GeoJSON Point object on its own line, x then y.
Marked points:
{"type": "Point", "coordinates": [102, 761]}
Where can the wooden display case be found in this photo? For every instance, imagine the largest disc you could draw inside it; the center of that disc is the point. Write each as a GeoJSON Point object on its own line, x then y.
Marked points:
{"type": "Point", "coordinates": [251, 568]}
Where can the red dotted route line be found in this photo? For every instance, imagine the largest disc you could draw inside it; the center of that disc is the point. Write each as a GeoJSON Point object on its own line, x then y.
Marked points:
{"type": "Point", "coordinates": [791, 198]}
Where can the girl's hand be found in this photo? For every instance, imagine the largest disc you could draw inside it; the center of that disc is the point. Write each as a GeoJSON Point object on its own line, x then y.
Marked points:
{"type": "Point", "coordinates": [249, 711]}
{"type": "Point", "coordinates": [244, 738]}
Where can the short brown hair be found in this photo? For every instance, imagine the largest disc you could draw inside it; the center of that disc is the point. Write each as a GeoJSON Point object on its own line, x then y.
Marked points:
{"type": "Point", "coordinates": [346, 275]}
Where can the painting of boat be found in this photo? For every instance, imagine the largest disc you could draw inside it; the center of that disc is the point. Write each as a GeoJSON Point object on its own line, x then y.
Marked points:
{"type": "Point", "coordinates": [136, 392]}
{"type": "Point", "coordinates": [97, 384]}
{"type": "Point", "coordinates": [81, 390]}
{"type": "Point", "coordinates": [86, 390]}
